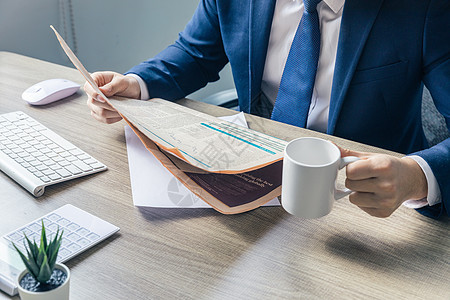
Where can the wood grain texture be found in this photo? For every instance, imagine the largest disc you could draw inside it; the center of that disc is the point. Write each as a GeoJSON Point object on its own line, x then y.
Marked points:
{"type": "Point", "coordinates": [201, 254]}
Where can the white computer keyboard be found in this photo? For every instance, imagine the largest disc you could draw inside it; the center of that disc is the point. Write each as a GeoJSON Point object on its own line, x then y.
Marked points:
{"type": "Point", "coordinates": [35, 157]}
{"type": "Point", "coordinates": [81, 230]}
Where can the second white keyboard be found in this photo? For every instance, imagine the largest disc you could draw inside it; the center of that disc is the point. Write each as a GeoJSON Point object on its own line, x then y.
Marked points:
{"type": "Point", "coordinates": [35, 157]}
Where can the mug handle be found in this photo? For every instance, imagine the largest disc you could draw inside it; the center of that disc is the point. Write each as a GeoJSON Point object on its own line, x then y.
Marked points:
{"type": "Point", "coordinates": [338, 194]}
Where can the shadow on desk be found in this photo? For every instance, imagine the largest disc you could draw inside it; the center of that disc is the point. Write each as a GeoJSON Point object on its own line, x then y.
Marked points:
{"type": "Point", "coordinates": [249, 225]}
{"type": "Point", "coordinates": [402, 256]}
{"type": "Point", "coordinates": [81, 258]}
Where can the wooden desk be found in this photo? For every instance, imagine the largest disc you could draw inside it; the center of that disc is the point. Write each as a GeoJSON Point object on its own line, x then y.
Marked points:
{"type": "Point", "coordinates": [202, 254]}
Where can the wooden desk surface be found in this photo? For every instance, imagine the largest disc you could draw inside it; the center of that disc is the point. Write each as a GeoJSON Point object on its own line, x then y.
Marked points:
{"type": "Point", "coordinates": [202, 254]}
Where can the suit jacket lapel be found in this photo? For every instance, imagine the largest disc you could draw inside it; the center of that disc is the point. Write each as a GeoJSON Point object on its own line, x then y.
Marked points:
{"type": "Point", "coordinates": [261, 15]}
{"type": "Point", "coordinates": [357, 20]}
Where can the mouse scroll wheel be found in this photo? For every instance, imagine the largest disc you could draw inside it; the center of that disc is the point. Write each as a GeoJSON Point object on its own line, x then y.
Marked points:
{"type": "Point", "coordinates": [35, 89]}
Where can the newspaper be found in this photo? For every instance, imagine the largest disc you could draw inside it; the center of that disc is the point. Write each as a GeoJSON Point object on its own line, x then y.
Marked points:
{"type": "Point", "coordinates": [232, 168]}
{"type": "Point", "coordinates": [201, 140]}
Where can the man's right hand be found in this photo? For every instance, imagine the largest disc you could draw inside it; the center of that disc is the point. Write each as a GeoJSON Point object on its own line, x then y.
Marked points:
{"type": "Point", "coordinates": [110, 83]}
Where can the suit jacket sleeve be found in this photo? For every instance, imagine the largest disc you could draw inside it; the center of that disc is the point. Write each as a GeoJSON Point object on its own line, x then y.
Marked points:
{"type": "Point", "coordinates": [436, 70]}
{"type": "Point", "coordinates": [191, 62]}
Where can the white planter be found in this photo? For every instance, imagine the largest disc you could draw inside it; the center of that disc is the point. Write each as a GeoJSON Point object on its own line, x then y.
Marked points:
{"type": "Point", "coordinates": [60, 293]}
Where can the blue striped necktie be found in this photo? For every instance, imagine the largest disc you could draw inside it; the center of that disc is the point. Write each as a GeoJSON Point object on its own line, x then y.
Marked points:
{"type": "Point", "coordinates": [297, 82]}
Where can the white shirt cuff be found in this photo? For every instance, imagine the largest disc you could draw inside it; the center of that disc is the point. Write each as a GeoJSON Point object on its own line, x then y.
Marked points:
{"type": "Point", "coordinates": [142, 86]}
{"type": "Point", "coordinates": [434, 193]}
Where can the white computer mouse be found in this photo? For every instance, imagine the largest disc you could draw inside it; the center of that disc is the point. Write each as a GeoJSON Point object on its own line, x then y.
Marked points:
{"type": "Point", "coordinates": [49, 91]}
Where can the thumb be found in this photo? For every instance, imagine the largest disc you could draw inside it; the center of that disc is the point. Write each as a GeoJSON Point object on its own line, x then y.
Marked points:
{"type": "Point", "coordinates": [115, 86]}
{"type": "Point", "coordinates": [348, 152]}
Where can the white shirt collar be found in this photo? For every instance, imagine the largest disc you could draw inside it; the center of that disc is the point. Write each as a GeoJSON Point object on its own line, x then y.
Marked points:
{"type": "Point", "coordinates": [335, 5]}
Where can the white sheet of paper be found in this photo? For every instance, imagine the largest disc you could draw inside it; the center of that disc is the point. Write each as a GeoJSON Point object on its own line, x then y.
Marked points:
{"type": "Point", "coordinates": [153, 185]}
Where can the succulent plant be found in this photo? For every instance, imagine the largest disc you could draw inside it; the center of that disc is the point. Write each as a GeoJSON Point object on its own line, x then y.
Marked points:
{"type": "Point", "coordinates": [40, 261]}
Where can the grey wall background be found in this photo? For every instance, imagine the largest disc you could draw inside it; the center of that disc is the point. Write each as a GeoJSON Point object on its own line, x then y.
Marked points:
{"type": "Point", "coordinates": [109, 35]}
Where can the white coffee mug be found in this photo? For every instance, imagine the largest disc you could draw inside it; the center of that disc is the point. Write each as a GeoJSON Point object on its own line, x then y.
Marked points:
{"type": "Point", "coordinates": [310, 168]}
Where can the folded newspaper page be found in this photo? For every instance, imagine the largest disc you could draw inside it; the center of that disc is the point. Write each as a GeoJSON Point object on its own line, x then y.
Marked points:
{"type": "Point", "coordinates": [203, 141]}
{"type": "Point", "coordinates": [226, 193]}
{"type": "Point", "coordinates": [232, 168]}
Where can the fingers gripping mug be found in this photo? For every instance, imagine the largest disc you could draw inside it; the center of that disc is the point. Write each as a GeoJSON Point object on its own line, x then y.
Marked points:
{"type": "Point", "coordinates": [310, 168]}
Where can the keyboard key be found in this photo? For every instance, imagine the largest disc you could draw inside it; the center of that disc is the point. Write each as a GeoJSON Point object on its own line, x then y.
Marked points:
{"type": "Point", "coordinates": [58, 158]}
{"type": "Point", "coordinates": [48, 162]}
{"type": "Point", "coordinates": [15, 236]}
{"type": "Point", "coordinates": [53, 227]}
{"type": "Point", "coordinates": [33, 142]}
{"type": "Point", "coordinates": [76, 152]}
{"type": "Point", "coordinates": [84, 157]}
{"type": "Point", "coordinates": [36, 153]}
{"type": "Point", "coordinates": [74, 247]}
{"type": "Point", "coordinates": [63, 172]}
{"type": "Point", "coordinates": [58, 150]}
{"type": "Point", "coordinates": [54, 177]}
{"type": "Point", "coordinates": [36, 227]}
{"type": "Point", "coordinates": [51, 235]}
{"type": "Point", "coordinates": [13, 156]}
{"type": "Point", "coordinates": [71, 158]}
{"type": "Point", "coordinates": [41, 167]}
{"type": "Point", "coordinates": [82, 231]}
{"type": "Point", "coordinates": [45, 179]}
{"type": "Point", "coordinates": [48, 172]}
{"type": "Point", "coordinates": [34, 237]}
{"type": "Point", "coordinates": [64, 163]}
{"type": "Point", "coordinates": [81, 165]}
{"type": "Point", "coordinates": [65, 242]}
{"type": "Point", "coordinates": [47, 142]}
{"type": "Point", "coordinates": [11, 117]}
{"type": "Point", "coordinates": [55, 167]}
{"type": "Point", "coordinates": [33, 162]}
{"type": "Point", "coordinates": [63, 252]}
{"type": "Point", "coordinates": [38, 174]}
{"type": "Point", "coordinates": [63, 222]}
{"type": "Point", "coordinates": [26, 231]}
{"type": "Point", "coordinates": [93, 236]}
{"type": "Point", "coordinates": [39, 127]}
{"type": "Point", "coordinates": [25, 164]}
{"type": "Point", "coordinates": [73, 236]}
{"type": "Point", "coordinates": [51, 154]}
{"type": "Point", "coordinates": [73, 226]}
{"type": "Point", "coordinates": [65, 154]}
{"type": "Point", "coordinates": [54, 217]}
{"type": "Point", "coordinates": [35, 134]}
{"type": "Point", "coordinates": [90, 161]}
{"type": "Point", "coordinates": [45, 221]}
{"type": "Point", "coordinates": [19, 243]}
{"type": "Point", "coordinates": [28, 158]}
{"type": "Point", "coordinates": [45, 150]}
{"type": "Point", "coordinates": [32, 169]}
{"type": "Point", "coordinates": [74, 170]}
{"type": "Point", "coordinates": [60, 141]}
{"type": "Point", "coordinates": [83, 242]}
{"type": "Point", "coordinates": [52, 146]}
{"type": "Point", "coordinates": [42, 157]}
{"type": "Point", "coordinates": [41, 138]}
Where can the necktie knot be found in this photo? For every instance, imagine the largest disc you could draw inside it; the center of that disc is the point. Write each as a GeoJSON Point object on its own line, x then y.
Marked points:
{"type": "Point", "coordinates": [310, 5]}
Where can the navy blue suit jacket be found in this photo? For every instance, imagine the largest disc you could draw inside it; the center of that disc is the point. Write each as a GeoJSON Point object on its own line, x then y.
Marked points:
{"type": "Point", "coordinates": [387, 50]}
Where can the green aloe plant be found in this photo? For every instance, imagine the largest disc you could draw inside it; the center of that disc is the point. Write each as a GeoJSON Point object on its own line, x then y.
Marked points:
{"type": "Point", "coordinates": [40, 261]}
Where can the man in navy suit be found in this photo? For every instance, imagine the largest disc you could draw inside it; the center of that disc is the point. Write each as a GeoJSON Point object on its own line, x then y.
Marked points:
{"type": "Point", "coordinates": [375, 56]}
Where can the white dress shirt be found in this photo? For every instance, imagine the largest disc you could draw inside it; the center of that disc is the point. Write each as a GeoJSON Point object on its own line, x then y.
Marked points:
{"type": "Point", "coordinates": [285, 21]}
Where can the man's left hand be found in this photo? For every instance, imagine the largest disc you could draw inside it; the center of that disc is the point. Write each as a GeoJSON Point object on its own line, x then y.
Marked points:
{"type": "Point", "coordinates": [381, 183]}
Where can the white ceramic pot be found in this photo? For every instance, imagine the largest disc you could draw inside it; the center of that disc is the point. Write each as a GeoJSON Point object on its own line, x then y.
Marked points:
{"type": "Point", "coordinates": [60, 293]}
